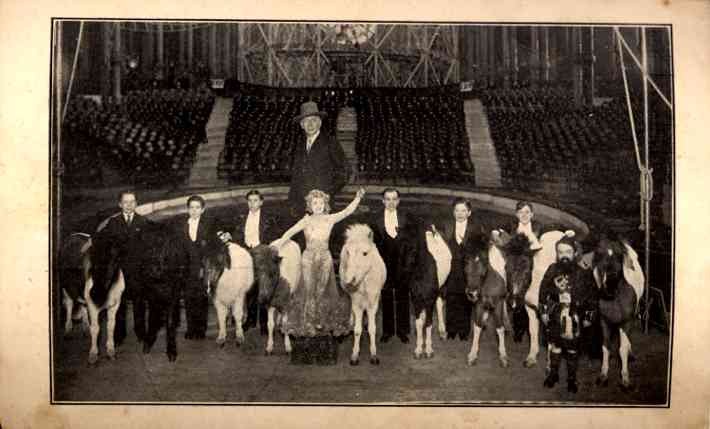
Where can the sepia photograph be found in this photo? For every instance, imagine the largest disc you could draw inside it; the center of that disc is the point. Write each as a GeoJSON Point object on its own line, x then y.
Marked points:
{"type": "Point", "coordinates": [361, 213]}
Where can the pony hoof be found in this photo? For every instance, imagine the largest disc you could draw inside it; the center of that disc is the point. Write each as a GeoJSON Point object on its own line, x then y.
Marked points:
{"type": "Point", "coordinates": [472, 361]}
{"type": "Point", "coordinates": [374, 360]}
{"type": "Point", "coordinates": [417, 356]}
{"type": "Point", "coordinates": [354, 362]}
{"type": "Point", "coordinates": [111, 354]}
{"type": "Point", "coordinates": [626, 387]}
{"type": "Point", "coordinates": [172, 357]}
{"type": "Point", "coordinates": [442, 335]}
{"type": "Point", "coordinates": [221, 342]}
{"type": "Point", "coordinates": [529, 363]}
{"type": "Point", "coordinates": [504, 362]}
{"type": "Point", "coordinates": [93, 359]}
{"type": "Point", "coordinates": [146, 348]}
{"type": "Point", "coordinates": [428, 355]}
{"type": "Point", "coordinates": [602, 381]}
{"type": "Point", "coordinates": [268, 353]}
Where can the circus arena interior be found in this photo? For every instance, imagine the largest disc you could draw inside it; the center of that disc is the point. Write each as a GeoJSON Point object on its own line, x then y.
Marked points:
{"type": "Point", "coordinates": [577, 120]}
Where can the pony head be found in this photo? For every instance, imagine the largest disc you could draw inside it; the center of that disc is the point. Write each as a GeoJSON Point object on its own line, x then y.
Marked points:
{"type": "Point", "coordinates": [215, 260]}
{"type": "Point", "coordinates": [608, 264]}
{"type": "Point", "coordinates": [355, 256]}
{"type": "Point", "coordinates": [267, 263]}
{"type": "Point", "coordinates": [476, 266]}
{"type": "Point", "coordinates": [518, 268]}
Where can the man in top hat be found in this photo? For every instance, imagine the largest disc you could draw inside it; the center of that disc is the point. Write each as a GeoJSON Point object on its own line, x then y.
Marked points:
{"type": "Point", "coordinates": [318, 162]}
{"type": "Point", "coordinates": [567, 301]}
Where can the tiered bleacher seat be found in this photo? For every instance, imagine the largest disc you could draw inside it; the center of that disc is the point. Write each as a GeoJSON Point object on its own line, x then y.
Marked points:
{"type": "Point", "coordinates": [413, 135]}
{"type": "Point", "coordinates": [149, 139]}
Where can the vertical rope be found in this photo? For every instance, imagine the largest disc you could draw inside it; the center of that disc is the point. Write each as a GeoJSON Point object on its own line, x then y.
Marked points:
{"type": "Point", "coordinates": [73, 70]}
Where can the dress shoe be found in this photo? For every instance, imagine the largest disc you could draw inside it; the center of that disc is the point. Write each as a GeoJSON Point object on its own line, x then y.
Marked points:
{"type": "Point", "coordinates": [385, 338]}
{"type": "Point", "coordinates": [451, 335]}
{"type": "Point", "coordinates": [551, 380]}
{"type": "Point", "coordinates": [403, 338]}
{"type": "Point", "coordinates": [463, 337]}
{"type": "Point", "coordinates": [189, 335]}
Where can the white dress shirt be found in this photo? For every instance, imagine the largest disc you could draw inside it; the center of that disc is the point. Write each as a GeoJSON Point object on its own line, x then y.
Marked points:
{"type": "Point", "coordinates": [311, 140]}
{"type": "Point", "coordinates": [460, 231]}
{"type": "Point", "coordinates": [251, 229]}
{"type": "Point", "coordinates": [192, 228]}
{"type": "Point", "coordinates": [391, 223]}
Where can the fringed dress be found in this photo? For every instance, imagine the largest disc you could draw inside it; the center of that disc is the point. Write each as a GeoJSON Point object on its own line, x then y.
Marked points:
{"type": "Point", "coordinates": [318, 306]}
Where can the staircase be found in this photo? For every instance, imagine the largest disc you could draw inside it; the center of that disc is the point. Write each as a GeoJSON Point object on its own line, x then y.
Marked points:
{"type": "Point", "coordinates": [204, 172]}
{"type": "Point", "coordinates": [346, 131]}
{"type": "Point", "coordinates": [483, 152]}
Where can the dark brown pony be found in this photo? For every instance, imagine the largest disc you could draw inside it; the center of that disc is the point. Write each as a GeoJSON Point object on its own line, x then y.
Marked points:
{"type": "Point", "coordinates": [495, 272]}
{"type": "Point", "coordinates": [621, 282]}
{"type": "Point", "coordinates": [163, 269]}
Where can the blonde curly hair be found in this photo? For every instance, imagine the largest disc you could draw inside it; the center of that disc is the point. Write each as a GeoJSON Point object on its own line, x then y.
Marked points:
{"type": "Point", "coordinates": [317, 193]}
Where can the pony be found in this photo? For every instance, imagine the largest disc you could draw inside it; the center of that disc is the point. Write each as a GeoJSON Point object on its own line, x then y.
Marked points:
{"type": "Point", "coordinates": [93, 263]}
{"type": "Point", "coordinates": [487, 285]}
{"type": "Point", "coordinates": [162, 267]}
{"type": "Point", "coordinates": [621, 282]}
{"type": "Point", "coordinates": [362, 274]}
{"type": "Point", "coordinates": [278, 274]}
{"type": "Point", "coordinates": [228, 276]}
{"type": "Point", "coordinates": [72, 278]}
{"type": "Point", "coordinates": [541, 261]}
{"type": "Point", "coordinates": [425, 263]}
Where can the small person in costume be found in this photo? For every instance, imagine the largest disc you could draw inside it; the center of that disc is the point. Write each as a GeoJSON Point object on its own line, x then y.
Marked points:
{"type": "Point", "coordinates": [567, 301]}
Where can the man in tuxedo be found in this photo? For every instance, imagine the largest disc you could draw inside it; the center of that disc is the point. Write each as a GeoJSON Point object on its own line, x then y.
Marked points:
{"type": "Point", "coordinates": [386, 225]}
{"type": "Point", "coordinates": [195, 231]}
{"type": "Point", "coordinates": [252, 229]}
{"type": "Point", "coordinates": [318, 163]}
{"type": "Point", "coordinates": [458, 233]}
{"type": "Point", "coordinates": [123, 231]}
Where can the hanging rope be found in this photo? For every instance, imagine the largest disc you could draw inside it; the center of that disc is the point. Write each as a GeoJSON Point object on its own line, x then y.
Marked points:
{"type": "Point", "coordinates": [620, 39]}
{"type": "Point", "coordinates": [646, 178]}
{"type": "Point", "coordinates": [73, 70]}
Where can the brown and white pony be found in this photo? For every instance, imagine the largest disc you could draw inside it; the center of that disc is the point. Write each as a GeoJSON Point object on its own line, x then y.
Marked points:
{"type": "Point", "coordinates": [72, 278]}
{"type": "Point", "coordinates": [278, 274]}
{"type": "Point", "coordinates": [487, 285]}
{"type": "Point", "coordinates": [362, 274]}
{"type": "Point", "coordinates": [228, 276]}
{"type": "Point", "coordinates": [621, 283]}
{"type": "Point", "coordinates": [93, 267]}
{"type": "Point", "coordinates": [425, 264]}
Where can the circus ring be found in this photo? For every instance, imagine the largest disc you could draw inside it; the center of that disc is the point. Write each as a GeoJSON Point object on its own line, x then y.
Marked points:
{"type": "Point", "coordinates": [204, 373]}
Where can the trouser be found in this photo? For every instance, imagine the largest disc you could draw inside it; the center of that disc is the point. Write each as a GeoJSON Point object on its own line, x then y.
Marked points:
{"type": "Point", "coordinates": [196, 304]}
{"type": "Point", "coordinates": [133, 293]}
{"type": "Point", "coordinates": [570, 354]}
{"type": "Point", "coordinates": [395, 311]}
{"type": "Point", "coordinates": [256, 311]}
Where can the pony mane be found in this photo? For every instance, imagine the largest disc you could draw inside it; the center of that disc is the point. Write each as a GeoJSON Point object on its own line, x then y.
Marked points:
{"type": "Point", "coordinates": [358, 231]}
{"type": "Point", "coordinates": [518, 244]}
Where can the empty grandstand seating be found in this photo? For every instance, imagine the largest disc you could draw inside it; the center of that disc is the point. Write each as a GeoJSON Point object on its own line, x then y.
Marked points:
{"type": "Point", "coordinates": [150, 138]}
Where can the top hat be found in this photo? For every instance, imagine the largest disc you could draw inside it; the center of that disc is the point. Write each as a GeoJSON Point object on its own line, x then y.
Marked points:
{"type": "Point", "coordinates": [309, 108]}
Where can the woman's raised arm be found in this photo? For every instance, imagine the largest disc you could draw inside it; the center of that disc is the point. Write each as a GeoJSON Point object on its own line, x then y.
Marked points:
{"type": "Point", "coordinates": [295, 229]}
{"type": "Point", "coordinates": [350, 209]}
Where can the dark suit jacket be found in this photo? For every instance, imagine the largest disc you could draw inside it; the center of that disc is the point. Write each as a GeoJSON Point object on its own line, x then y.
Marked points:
{"type": "Point", "coordinates": [322, 168]}
{"type": "Point", "coordinates": [267, 228]}
{"type": "Point", "coordinates": [472, 229]}
{"type": "Point", "coordinates": [206, 235]}
{"type": "Point", "coordinates": [377, 223]}
{"type": "Point", "coordinates": [126, 240]}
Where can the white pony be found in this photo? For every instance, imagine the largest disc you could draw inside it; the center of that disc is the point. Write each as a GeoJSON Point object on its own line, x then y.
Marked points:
{"type": "Point", "coordinates": [362, 275]}
{"type": "Point", "coordinates": [542, 260]}
{"type": "Point", "coordinates": [229, 275]}
{"type": "Point", "coordinates": [277, 274]}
